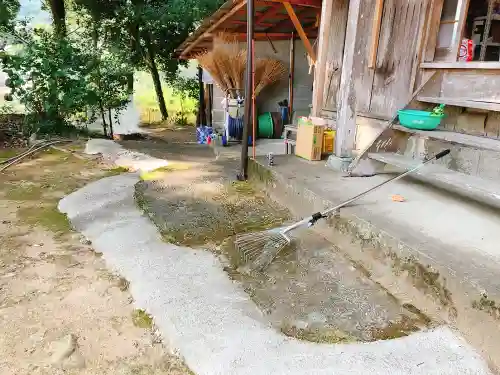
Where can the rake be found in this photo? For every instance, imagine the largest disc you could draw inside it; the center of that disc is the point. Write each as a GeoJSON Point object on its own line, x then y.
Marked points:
{"type": "Point", "coordinates": [258, 250]}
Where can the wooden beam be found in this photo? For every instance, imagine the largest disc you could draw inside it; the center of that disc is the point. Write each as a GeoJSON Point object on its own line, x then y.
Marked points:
{"type": "Point", "coordinates": [236, 8]}
{"type": "Point", "coordinates": [431, 33]}
{"type": "Point", "coordinates": [237, 22]}
{"type": "Point", "coordinates": [456, 41]}
{"type": "Point", "coordinates": [479, 65]}
{"type": "Point", "coordinates": [319, 72]}
{"type": "Point", "coordinates": [425, 14]}
{"type": "Point", "coordinates": [346, 104]}
{"type": "Point", "coordinates": [377, 21]}
{"type": "Point", "coordinates": [268, 13]}
{"type": "Point", "coordinates": [301, 3]}
{"type": "Point", "coordinates": [300, 30]}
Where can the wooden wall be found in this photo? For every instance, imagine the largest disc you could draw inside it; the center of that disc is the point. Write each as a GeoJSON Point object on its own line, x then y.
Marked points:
{"type": "Point", "coordinates": [386, 88]}
{"type": "Point", "coordinates": [335, 53]}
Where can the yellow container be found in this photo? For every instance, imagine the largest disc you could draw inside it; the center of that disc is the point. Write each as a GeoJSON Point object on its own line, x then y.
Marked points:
{"type": "Point", "coordinates": [328, 141]}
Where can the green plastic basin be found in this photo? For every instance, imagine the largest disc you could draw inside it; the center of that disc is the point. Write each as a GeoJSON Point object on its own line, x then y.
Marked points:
{"type": "Point", "coordinates": [422, 120]}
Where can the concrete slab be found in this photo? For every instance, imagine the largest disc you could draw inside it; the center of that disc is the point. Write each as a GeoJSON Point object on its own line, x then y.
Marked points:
{"type": "Point", "coordinates": [213, 323]}
{"type": "Point", "coordinates": [439, 233]}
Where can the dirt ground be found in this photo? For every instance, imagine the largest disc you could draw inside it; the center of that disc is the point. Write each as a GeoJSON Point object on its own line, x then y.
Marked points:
{"type": "Point", "coordinates": [312, 292]}
{"type": "Point", "coordinates": [61, 310]}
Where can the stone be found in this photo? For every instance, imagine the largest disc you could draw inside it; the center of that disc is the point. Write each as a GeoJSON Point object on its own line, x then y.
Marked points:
{"type": "Point", "coordinates": [66, 355]}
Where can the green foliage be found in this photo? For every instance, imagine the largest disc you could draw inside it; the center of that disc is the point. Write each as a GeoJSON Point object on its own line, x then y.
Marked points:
{"type": "Point", "coordinates": [184, 88]}
{"type": "Point", "coordinates": [8, 12]}
{"type": "Point", "coordinates": [49, 78]}
{"type": "Point", "coordinates": [62, 81]}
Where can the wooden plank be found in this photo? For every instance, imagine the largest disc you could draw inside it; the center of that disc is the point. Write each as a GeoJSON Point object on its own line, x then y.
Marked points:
{"type": "Point", "coordinates": [268, 13]}
{"type": "Point", "coordinates": [346, 113]}
{"type": "Point", "coordinates": [458, 30]}
{"type": "Point", "coordinates": [377, 20]}
{"type": "Point", "coordinates": [335, 54]}
{"type": "Point", "coordinates": [302, 3]}
{"type": "Point", "coordinates": [300, 30]}
{"type": "Point", "coordinates": [420, 45]}
{"type": "Point", "coordinates": [482, 143]}
{"type": "Point", "coordinates": [492, 128]}
{"type": "Point", "coordinates": [471, 85]}
{"type": "Point", "coordinates": [320, 70]}
{"type": "Point", "coordinates": [396, 56]}
{"type": "Point", "coordinates": [362, 74]}
{"type": "Point", "coordinates": [229, 14]}
{"type": "Point", "coordinates": [461, 102]}
{"type": "Point", "coordinates": [481, 65]}
{"type": "Point", "coordinates": [432, 30]}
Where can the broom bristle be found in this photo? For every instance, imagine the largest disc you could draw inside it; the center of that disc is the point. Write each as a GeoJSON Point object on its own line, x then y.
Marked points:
{"type": "Point", "coordinates": [226, 63]}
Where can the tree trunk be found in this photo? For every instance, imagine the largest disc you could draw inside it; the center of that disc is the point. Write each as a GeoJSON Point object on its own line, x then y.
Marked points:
{"type": "Point", "coordinates": [155, 75]}
{"type": "Point", "coordinates": [111, 134]}
{"type": "Point", "coordinates": [58, 16]}
{"type": "Point", "coordinates": [104, 125]}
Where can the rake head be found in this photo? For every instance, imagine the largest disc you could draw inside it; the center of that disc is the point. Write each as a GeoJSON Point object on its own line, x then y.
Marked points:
{"type": "Point", "coordinates": [258, 250]}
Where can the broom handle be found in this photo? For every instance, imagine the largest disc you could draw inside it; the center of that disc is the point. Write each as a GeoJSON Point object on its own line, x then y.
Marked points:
{"type": "Point", "coordinates": [311, 220]}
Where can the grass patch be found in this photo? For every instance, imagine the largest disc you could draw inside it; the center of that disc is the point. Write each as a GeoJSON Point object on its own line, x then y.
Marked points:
{"type": "Point", "coordinates": [159, 173]}
{"type": "Point", "coordinates": [48, 217]}
{"type": "Point", "coordinates": [321, 336]}
{"type": "Point", "coordinates": [116, 171]}
{"type": "Point", "coordinates": [9, 153]}
{"type": "Point", "coordinates": [142, 319]}
{"type": "Point", "coordinates": [24, 192]}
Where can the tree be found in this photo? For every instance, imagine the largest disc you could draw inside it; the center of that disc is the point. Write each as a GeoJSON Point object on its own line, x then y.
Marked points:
{"type": "Point", "coordinates": [8, 12]}
{"type": "Point", "coordinates": [150, 30]}
{"type": "Point", "coordinates": [58, 11]}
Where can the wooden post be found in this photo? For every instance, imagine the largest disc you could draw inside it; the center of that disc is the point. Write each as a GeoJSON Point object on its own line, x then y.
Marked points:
{"type": "Point", "coordinates": [319, 71]}
{"type": "Point", "coordinates": [290, 78]}
{"type": "Point", "coordinates": [377, 20]}
{"type": "Point", "coordinates": [346, 106]}
{"type": "Point", "coordinates": [300, 31]}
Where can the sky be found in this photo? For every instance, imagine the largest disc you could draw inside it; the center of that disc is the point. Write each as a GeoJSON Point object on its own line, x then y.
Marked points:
{"type": "Point", "coordinates": [32, 9]}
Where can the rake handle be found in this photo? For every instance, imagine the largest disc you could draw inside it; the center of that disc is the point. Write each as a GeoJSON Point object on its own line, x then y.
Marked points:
{"type": "Point", "coordinates": [311, 220]}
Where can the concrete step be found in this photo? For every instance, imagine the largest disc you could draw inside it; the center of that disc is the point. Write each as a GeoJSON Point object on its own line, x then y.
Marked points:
{"type": "Point", "coordinates": [479, 189]}
{"type": "Point", "coordinates": [436, 250]}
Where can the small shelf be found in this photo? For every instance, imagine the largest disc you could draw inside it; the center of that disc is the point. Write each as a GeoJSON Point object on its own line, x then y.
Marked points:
{"type": "Point", "coordinates": [463, 102]}
{"type": "Point", "coordinates": [474, 141]}
{"type": "Point", "coordinates": [478, 65]}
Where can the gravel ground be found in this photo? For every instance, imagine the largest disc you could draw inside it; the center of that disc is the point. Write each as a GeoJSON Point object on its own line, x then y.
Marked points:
{"type": "Point", "coordinates": [210, 320]}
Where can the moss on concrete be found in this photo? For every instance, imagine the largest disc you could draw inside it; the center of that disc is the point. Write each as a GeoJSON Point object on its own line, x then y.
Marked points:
{"type": "Point", "coordinates": [142, 319]}
{"type": "Point", "coordinates": [487, 305]}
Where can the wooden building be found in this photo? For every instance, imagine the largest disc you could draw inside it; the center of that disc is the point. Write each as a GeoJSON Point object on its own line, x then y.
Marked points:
{"type": "Point", "coordinates": [374, 57]}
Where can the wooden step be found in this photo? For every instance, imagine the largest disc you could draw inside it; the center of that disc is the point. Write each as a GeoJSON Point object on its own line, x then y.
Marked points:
{"type": "Point", "coordinates": [473, 141]}
{"type": "Point", "coordinates": [493, 105]}
{"type": "Point", "coordinates": [478, 189]}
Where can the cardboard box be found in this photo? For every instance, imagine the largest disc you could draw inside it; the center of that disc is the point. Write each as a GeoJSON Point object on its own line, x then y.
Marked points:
{"type": "Point", "coordinates": [309, 141]}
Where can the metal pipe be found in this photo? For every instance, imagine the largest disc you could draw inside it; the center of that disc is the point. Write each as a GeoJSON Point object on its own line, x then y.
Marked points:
{"type": "Point", "coordinates": [242, 176]}
{"type": "Point", "coordinates": [253, 100]}
{"type": "Point", "coordinates": [291, 77]}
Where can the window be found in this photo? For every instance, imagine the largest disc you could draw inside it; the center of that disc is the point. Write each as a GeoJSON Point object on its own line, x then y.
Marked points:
{"type": "Point", "coordinates": [469, 31]}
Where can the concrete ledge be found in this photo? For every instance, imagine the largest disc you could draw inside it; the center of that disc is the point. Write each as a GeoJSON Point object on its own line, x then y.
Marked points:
{"type": "Point", "coordinates": [460, 286]}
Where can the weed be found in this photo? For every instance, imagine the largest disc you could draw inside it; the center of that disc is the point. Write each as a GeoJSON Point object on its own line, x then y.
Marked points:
{"type": "Point", "coordinates": [115, 171]}
{"type": "Point", "coordinates": [487, 305]}
{"type": "Point", "coordinates": [123, 284]}
{"type": "Point", "coordinates": [324, 335]}
{"type": "Point", "coordinates": [159, 173]}
{"type": "Point", "coordinates": [142, 319]}
{"type": "Point", "coordinates": [48, 217]}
